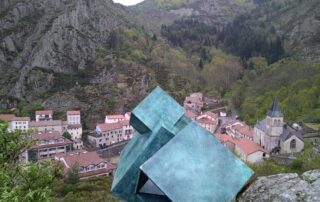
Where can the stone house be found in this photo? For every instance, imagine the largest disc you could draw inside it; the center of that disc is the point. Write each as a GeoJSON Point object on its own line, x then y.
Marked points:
{"type": "Point", "coordinates": [194, 102]}
{"type": "Point", "coordinates": [209, 121]}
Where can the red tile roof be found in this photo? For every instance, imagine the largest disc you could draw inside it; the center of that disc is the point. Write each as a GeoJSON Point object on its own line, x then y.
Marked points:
{"type": "Point", "coordinates": [115, 116]}
{"type": "Point", "coordinates": [45, 112]}
{"type": "Point", "coordinates": [7, 117]}
{"type": "Point", "coordinates": [47, 123]}
{"type": "Point", "coordinates": [12, 117]}
{"type": "Point", "coordinates": [248, 146]}
{"type": "Point", "coordinates": [83, 159]}
{"type": "Point", "coordinates": [245, 130]}
{"type": "Point", "coordinates": [190, 114]}
{"type": "Point", "coordinates": [73, 112]}
{"type": "Point", "coordinates": [124, 123]}
{"type": "Point", "coordinates": [205, 120]}
{"type": "Point", "coordinates": [50, 135]}
{"type": "Point", "coordinates": [104, 127]}
{"type": "Point", "coordinates": [225, 138]}
{"type": "Point", "coordinates": [212, 114]}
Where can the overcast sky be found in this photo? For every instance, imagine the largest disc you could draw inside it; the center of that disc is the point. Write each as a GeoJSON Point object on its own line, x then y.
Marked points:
{"type": "Point", "coordinates": [128, 2]}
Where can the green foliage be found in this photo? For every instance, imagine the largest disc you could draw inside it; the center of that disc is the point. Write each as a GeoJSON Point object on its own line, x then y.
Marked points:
{"type": "Point", "coordinates": [170, 4]}
{"type": "Point", "coordinates": [28, 182]}
{"type": "Point", "coordinates": [268, 168]}
{"type": "Point", "coordinates": [309, 159]}
{"type": "Point", "coordinates": [67, 135]}
{"type": "Point", "coordinates": [93, 189]}
{"type": "Point", "coordinates": [296, 84]}
{"type": "Point", "coordinates": [111, 103]}
{"type": "Point", "coordinates": [296, 164]}
{"type": "Point", "coordinates": [72, 175]}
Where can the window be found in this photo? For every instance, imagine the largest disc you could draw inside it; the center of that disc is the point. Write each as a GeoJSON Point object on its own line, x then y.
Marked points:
{"type": "Point", "coordinates": [293, 144]}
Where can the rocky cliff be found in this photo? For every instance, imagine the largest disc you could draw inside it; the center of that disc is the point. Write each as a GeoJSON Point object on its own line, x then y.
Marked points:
{"type": "Point", "coordinates": [285, 187]}
{"type": "Point", "coordinates": [48, 52]}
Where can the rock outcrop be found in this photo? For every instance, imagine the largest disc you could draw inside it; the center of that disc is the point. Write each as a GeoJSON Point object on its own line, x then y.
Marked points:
{"type": "Point", "coordinates": [285, 187]}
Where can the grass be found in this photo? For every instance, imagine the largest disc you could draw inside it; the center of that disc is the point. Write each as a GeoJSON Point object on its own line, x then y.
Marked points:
{"type": "Point", "coordinates": [306, 160]}
{"type": "Point", "coordinates": [313, 126]}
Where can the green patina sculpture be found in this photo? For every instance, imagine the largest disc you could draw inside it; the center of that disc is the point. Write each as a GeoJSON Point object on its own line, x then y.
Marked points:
{"type": "Point", "coordinates": [171, 158]}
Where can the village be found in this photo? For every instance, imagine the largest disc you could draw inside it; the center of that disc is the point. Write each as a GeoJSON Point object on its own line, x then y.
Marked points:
{"type": "Point", "coordinates": [63, 141]}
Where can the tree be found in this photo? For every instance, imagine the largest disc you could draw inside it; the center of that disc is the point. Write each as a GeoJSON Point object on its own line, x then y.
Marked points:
{"type": "Point", "coordinates": [67, 135]}
{"type": "Point", "coordinates": [72, 175]}
{"type": "Point", "coordinates": [28, 182]}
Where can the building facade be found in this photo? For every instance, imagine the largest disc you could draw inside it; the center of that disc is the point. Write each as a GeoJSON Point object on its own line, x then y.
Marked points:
{"type": "Point", "coordinates": [73, 117]}
{"type": "Point", "coordinates": [110, 133]}
{"type": "Point", "coordinates": [44, 115]}
{"type": "Point", "coordinates": [53, 125]}
{"type": "Point", "coordinates": [47, 144]}
{"type": "Point", "coordinates": [16, 123]}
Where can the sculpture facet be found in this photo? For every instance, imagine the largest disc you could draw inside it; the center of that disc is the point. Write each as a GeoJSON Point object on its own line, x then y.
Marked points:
{"type": "Point", "coordinates": [172, 158]}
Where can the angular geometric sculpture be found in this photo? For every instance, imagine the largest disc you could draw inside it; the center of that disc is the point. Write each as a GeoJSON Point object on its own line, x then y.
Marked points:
{"type": "Point", "coordinates": [171, 158]}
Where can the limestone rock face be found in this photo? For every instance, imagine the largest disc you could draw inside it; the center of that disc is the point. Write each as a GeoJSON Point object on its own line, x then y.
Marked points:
{"type": "Point", "coordinates": [48, 50]}
{"type": "Point", "coordinates": [285, 187]}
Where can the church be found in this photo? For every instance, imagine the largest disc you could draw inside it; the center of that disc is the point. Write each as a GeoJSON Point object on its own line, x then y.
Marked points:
{"type": "Point", "coordinates": [274, 135]}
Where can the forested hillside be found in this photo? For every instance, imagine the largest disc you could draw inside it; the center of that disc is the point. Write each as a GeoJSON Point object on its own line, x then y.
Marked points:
{"type": "Point", "coordinates": [102, 57]}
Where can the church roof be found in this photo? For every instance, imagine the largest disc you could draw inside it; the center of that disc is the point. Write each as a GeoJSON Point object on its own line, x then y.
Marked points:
{"type": "Point", "coordinates": [275, 109]}
{"type": "Point", "coordinates": [289, 132]}
{"type": "Point", "coordinates": [262, 125]}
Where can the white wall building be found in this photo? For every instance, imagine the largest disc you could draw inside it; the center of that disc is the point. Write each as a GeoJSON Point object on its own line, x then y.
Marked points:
{"type": "Point", "coordinates": [114, 118]}
{"type": "Point", "coordinates": [73, 117]}
{"type": "Point", "coordinates": [44, 115]}
{"type": "Point", "coordinates": [110, 133]}
{"type": "Point", "coordinates": [16, 123]}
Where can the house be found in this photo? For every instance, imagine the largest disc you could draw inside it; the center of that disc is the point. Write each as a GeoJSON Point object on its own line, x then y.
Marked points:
{"type": "Point", "coordinates": [44, 115]}
{"type": "Point", "coordinates": [16, 123]}
{"type": "Point", "coordinates": [51, 125]}
{"type": "Point", "coordinates": [274, 135]}
{"type": "Point", "coordinates": [209, 121]}
{"type": "Point", "coordinates": [227, 141]}
{"type": "Point", "coordinates": [114, 118]}
{"type": "Point", "coordinates": [72, 125]}
{"type": "Point", "coordinates": [194, 102]}
{"type": "Point", "coordinates": [88, 163]}
{"type": "Point", "coordinates": [75, 130]}
{"type": "Point", "coordinates": [73, 117]}
{"type": "Point", "coordinates": [238, 129]}
{"type": "Point", "coordinates": [77, 144]}
{"type": "Point", "coordinates": [249, 151]}
{"type": "Point", "coordinates": [46, 145]}
{"type": "Point", "coordinates": [111, 133]}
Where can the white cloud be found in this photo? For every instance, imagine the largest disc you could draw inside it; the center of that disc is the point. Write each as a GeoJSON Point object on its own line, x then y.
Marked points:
{"type": "Point", "coordinates": [128, 2]}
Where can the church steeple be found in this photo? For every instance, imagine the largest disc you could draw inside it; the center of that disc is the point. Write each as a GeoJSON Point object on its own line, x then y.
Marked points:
{"type": "Point", "coordinates": [275, 110]}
